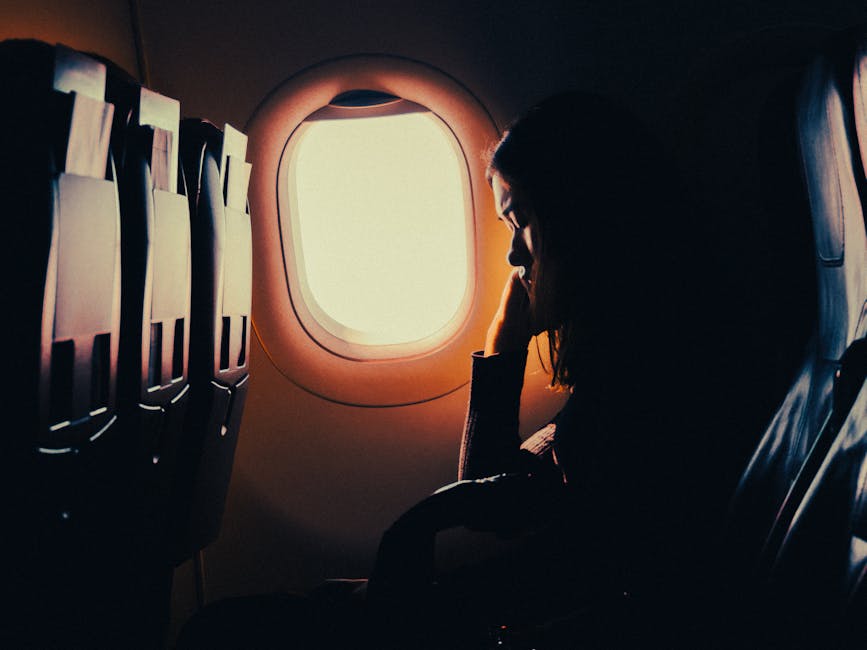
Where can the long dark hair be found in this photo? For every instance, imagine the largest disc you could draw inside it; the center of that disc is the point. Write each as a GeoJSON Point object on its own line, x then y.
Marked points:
{"type": "Point", "coordinates": [589, 177]}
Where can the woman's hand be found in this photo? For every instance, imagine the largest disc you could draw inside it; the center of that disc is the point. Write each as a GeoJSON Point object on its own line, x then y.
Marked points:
{"type": "Point", "coordinates": [511, 327]}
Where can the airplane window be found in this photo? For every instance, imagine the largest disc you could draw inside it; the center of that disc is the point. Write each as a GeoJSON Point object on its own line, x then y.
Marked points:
{"type": "Point", "coordinates": [378, 258]}
{"type": "Point", "coordinates": [380, 218]}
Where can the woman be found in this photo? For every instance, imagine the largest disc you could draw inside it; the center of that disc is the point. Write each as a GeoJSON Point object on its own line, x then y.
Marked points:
{"type": "Point", "coordinates": [605, 489]}
{"type": "Point", "coordinates": [597, 497]}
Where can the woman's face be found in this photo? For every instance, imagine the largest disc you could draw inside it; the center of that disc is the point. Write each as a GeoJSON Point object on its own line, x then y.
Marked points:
{"type": "Point", "coordinates": [524, 247]}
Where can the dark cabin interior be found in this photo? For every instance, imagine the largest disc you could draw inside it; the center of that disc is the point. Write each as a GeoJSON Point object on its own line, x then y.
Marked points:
{"type": "Point", "coordinates": [228, 471]}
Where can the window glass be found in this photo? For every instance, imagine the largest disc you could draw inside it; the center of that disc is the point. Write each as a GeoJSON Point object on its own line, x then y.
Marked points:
{"type": "Point", "coordinates": [379, 216]}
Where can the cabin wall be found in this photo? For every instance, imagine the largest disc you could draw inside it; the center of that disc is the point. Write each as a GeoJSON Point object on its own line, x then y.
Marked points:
{"type": "Point", "coordinates": [315, 483]}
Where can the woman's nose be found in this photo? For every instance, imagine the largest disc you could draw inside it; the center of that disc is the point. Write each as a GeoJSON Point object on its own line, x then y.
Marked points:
{"type": "Point", "coordinates": [518, 253]}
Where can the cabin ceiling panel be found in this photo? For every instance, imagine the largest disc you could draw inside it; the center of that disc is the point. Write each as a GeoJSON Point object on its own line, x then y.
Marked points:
{"type": "Point", "coordinates": [221, 58]}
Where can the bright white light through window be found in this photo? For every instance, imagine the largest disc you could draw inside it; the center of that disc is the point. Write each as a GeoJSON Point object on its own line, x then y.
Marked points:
{"type": "Point", "coordinates": [379, 223]}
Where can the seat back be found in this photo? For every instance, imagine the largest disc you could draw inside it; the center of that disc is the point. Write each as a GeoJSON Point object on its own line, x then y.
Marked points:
{"type": "Point", "coordinates": [156, 265]}
{"type": "Point", "coordinates": [59, 182]}
{"type": "Point", "coordinates": [215, 168]}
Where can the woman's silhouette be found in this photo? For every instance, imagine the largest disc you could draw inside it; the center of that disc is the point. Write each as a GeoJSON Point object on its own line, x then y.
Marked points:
{"type": "Point", "coordinates": [608, 490]}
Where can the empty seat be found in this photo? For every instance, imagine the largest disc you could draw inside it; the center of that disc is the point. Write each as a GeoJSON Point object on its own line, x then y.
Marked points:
{"type": "Point", "coordinates": [217, 176]}
{"type": "Point", "coordinates": [795, 515]}
{"type": "Point", "coordinates": [63, 287]}
{"type": "Point", "coordinates": [156, 265]}
{"type": "Point", "coordinates": [818, 571]}
{"type": "Point", "coordinates": [102, 288]}
{"type": "Point", "coordinates": [798, 437]}
{"type": "Point", "coordinates": [59, 179]}
{"type": "Point", "coordinates": [153, 389]}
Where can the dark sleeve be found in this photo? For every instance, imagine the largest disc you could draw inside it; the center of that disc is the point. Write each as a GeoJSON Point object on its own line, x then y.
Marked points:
{"type": "Point", "coordinates": [491, 444]}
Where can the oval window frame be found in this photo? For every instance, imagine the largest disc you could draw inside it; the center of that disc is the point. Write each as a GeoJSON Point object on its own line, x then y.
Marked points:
{"type": "Point", "coordinates": [298, 356]}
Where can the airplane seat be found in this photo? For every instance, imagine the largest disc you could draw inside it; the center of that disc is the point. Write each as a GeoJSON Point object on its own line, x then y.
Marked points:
{"type": "Point", "coordinates": [62, 281]}
{"type": "Point", "coordinates": [102, 267]}
{"type": "Point", "coordinates": [794, 503]}
{"type": "Point", "coordinates": [797, 438]}
{"type": "Point", "coordinates": [818, 571]}
{"type": "Point", "coordinates": [156, 244]}
{"type": "Point", "coordinates": [220, 329]}
{"type": "Point", "coordinates": [155, 320]}
{"type": "Point", "coordinates": [58, 173]}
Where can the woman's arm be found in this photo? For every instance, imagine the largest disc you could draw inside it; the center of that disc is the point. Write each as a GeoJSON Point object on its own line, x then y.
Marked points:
{"type": "Point", "coordinates": [508, 505]}
{"type": "Point", "coordinates": [490, 443]}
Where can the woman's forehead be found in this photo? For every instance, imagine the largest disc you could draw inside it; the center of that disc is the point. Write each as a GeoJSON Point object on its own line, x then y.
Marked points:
{"type": "Point", "coordinates": [502, 190]}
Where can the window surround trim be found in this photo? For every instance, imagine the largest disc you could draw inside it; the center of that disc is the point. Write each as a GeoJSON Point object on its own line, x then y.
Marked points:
{"type": "Point", "coordinates": [315, 321]}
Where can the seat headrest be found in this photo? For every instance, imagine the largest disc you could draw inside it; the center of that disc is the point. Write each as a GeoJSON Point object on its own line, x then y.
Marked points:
{"type": "Point", "coordinates": [859, 100]}
{"type": "Point", "coordinates": [859, 94]}
{"type": "Point", "coordinates": [229, 147]}
{"type": "Point", "coordinates": [828, 143]}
